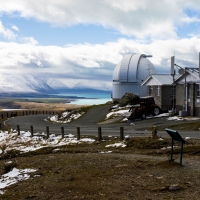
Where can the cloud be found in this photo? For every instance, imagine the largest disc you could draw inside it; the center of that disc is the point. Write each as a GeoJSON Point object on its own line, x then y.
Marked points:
{"type": "Point", "coordinates": [156, 19]}
{"type": "Point", "coordinates": [93, 61]}
{"type": "Point", "coordinates": [15, 28]}
{"type": "Point", "coordinates": [30, 40]}
{"type": "Point", "coordinates": [6, 33]}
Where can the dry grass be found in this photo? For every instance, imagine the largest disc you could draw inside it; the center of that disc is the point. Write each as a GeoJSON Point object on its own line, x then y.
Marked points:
{"type": "Point", "coordinates": [191, 125]}
{"type": "Point", "coordinates": [52, 104]}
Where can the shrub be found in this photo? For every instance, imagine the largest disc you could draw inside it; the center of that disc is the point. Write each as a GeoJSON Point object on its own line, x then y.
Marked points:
{"type": "Point", "coordinates": [129, 99]}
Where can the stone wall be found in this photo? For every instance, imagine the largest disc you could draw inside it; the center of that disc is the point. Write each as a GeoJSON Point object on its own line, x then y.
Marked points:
{"type": "Point", "coordinates": [157, 98]}
{"type": "Point", "coordinates": [165, 99]}
{"type": "Point", "coordinates": [180, 97]}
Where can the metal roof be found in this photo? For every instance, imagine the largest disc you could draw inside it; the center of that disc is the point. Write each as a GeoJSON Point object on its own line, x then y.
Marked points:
{"type": "Point", "coordinates": [159, 79]}
{"type": "Point", "coordinates": [191, 77]}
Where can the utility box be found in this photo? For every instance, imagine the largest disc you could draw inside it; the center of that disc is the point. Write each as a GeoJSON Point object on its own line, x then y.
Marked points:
{"type": "Point", "coordinates": [183, 113]}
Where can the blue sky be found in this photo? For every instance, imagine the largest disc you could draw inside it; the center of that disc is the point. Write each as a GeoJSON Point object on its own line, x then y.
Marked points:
{"type": "Point", "coordinates": [83, 40]}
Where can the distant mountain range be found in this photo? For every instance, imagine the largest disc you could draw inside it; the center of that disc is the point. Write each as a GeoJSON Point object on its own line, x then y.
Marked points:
{"type": "Point", "coordinates": [20, 84]}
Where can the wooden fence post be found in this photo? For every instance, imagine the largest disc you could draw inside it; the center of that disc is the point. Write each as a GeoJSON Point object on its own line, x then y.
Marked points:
{"type": "Point", "coordinates": [18, 130]}
{"type": "Point", "coordinates": [47, 129]}
{"type": "Point", "coordinates": [121, 133]}
{"type": "Point", "coordinates": [78, 133]}
{"type": "Point", "coordinates": [8, 128]}
{"type": "Point", "coordinates": [31, 131]}
{"type": "Point", "coordinates": [62, 132]}
{"type": "Point", "coordinates": [99, 134]}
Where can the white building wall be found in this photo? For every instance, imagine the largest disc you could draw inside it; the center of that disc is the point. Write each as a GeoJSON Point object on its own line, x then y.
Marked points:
{"type": "Point", "coordinates": [119, 89]}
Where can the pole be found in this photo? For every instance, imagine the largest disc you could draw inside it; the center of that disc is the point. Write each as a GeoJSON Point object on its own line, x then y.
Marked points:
{"type": "Point", "coordinates": [121, 133]}
{"type": "Point", "coordinates": [62, 131]}
{"type": "Point", "coordinates": [99, 134]}
{"type": "Point", "coordinates": [18, 130]}
{"type": "Point", "coordinates": [31, 131]}
{"type": "Point", "coordinates": [185, 91]}
{"type": "Point", "coordinates": [47, 130]}
{"type": "Point", "coordinates": [78, 133]}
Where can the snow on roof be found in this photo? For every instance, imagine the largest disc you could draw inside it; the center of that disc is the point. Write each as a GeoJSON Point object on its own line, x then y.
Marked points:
{"type": "Point", "coordinates": [159, 79]}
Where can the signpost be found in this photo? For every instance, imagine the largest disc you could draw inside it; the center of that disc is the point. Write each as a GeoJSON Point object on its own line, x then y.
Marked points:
{"type": "Point", "coordinates": [176, 136]}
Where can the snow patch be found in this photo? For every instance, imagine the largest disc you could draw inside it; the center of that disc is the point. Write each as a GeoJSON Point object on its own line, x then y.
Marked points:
{"type": "Point", "coordinates": [120, 144]}
{"type": "Point", "coordinates": [13, 177]}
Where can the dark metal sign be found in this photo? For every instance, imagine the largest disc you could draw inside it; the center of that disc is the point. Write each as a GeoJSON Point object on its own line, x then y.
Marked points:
{"type": "Point", "coordinates": [176, 136]}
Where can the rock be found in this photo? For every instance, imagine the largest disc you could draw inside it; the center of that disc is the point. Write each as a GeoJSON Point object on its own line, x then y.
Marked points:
{"type": "Point", "coordinates": [174, 187]}
{"type": "Point", "coordinates": [130, 99]}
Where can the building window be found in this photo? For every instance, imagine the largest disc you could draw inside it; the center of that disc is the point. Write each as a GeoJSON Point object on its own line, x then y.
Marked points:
{"type": "Point", "coordinates": [158, 90]}
{"type": "Point", "coordinates": [198, 90]}
{"type": "Point", "coordinates": [150, 90]}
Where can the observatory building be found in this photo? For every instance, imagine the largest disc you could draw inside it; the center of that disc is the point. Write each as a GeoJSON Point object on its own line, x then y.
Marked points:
{"type": "Point", "coordinates": [130, 73]}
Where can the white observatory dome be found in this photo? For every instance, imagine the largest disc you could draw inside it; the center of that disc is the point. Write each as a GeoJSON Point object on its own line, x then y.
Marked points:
{"type": "Point", "coordinates": [129, 75]}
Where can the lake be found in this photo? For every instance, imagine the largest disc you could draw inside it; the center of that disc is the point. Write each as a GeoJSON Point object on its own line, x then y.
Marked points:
{"type": "Point", "coordinates": [89, 98]}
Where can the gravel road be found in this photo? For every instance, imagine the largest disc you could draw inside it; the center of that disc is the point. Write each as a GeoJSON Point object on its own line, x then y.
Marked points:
{"type": "Point", "coordinates": [89, 123]}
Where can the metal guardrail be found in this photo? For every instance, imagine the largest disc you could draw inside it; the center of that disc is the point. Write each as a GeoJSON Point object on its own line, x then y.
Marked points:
{"type": "Point", "coordinates": [14, 113]}
{"type": "Point", "coordinates": [78, 132]}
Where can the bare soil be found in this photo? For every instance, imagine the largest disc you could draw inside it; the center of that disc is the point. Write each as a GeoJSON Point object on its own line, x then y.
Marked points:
{"type": "Point", "coordinates": [139, 171]}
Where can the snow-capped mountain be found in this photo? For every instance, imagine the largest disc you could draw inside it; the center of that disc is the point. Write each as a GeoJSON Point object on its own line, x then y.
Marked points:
{"type": "Point", "coordinates": [56, 84]}
{"type": "Point", "coordinates": [12, 84]}
{"type": "Point", "coordinates": [72, 85]}
{"type": "Point", "coordinates": [91, 85]}
{"type": "Point", "coordinates": [23, 84]}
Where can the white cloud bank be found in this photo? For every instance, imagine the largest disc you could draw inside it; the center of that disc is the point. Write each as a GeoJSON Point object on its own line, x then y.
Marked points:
{"type": "Point", "coordinates": [130, 17]}
{"type": "Point", "coordinates": [81, 59]}
{"type": "Point", "coordinates": [152, 21]}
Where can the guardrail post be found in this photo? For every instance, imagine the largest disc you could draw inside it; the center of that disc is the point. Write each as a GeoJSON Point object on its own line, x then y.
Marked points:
{"type": "Point", "coordinates": [99, 134]}
{"type": "Point", "coordinates": [8, 128]}
{"type": "Point", "coordinates": [18, 130]}
{"type": "Point", "coordinates": [78, 133]}
{"type": "Point", "coordinates": [47, 130]}
{"type": "Point", "coordinates": [31, 131]}
{"type": "Point", "coordinates": [121, 133]}
{"type": "Point", "coordinates": [62, 132]}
